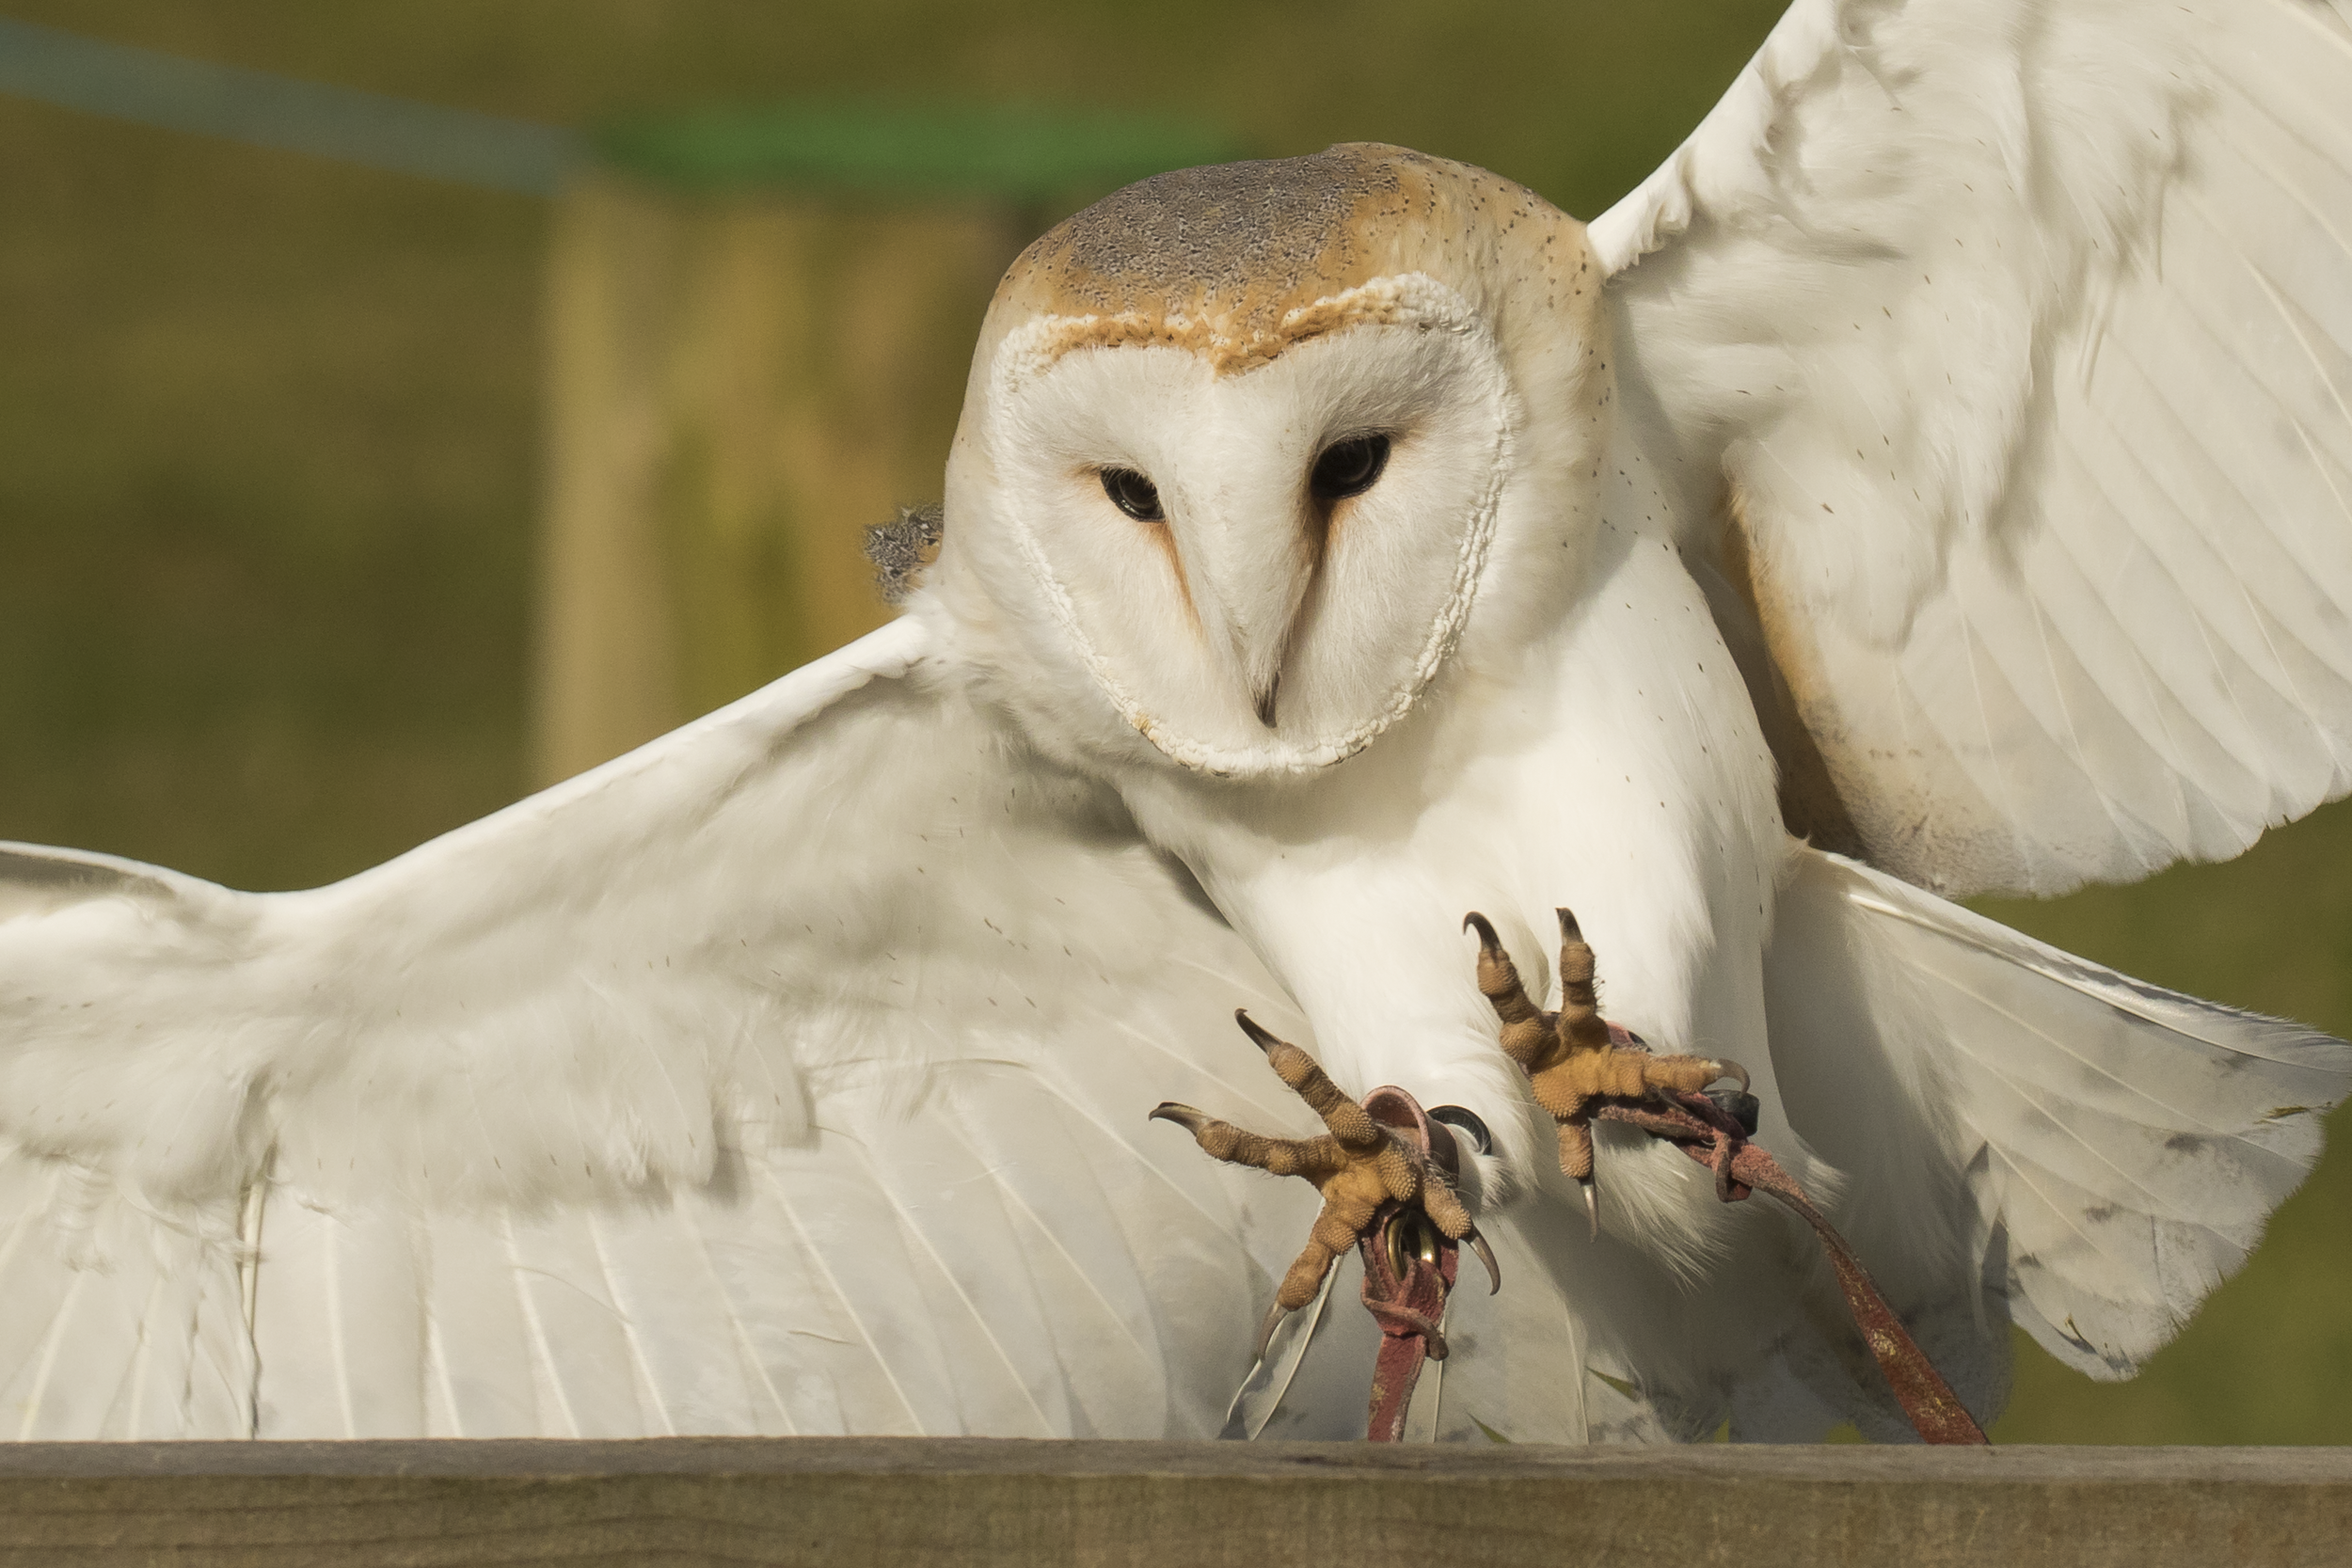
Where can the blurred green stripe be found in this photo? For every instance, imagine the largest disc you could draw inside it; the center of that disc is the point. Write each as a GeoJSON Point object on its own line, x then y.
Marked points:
{"type": "Point", "coordinates": [178, 94]}
{"type": "Point", "coordinates": [1011, 152]}
{"type": "Point", "coordinates": [1014, 153]}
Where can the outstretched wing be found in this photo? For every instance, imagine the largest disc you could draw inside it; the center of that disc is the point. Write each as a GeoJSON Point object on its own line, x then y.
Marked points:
{"type": "Point", "coordinates": [2009, 343]}
{"type": "Point", "coordinates": [2021, 1126]}
{"type": "Point", "coordinates": [786, 1075]}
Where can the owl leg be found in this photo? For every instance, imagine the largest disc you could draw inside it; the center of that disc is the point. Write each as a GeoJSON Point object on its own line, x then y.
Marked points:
{"type": "Point", "coordinates": [1577, 1062]}
{"type": "Point", "coordinates": [1579, 1066]}
{"type": "Point", "coordinates": [1358, 1165]}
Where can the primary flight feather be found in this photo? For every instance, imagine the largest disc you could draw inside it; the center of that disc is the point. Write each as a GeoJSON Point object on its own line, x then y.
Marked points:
{"type": "Point", "coordinates": [1944, 461]}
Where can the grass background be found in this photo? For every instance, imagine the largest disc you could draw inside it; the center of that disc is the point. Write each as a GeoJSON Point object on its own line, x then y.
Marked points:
{"type": "Point", "coordinates": [269, 439]}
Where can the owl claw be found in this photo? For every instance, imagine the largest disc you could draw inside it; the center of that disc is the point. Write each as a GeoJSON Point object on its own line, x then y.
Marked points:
{"type": "Point", "coordinates": [1182, 1116]}
{"type": "Point", "coordinates": [1577, 1063]}
{"type": "Point", "coordinates": [1258, 1037]}
{"type": "Point", "coordinates": [1370, 1176]}
{"type": "Point", "coordinates": [1274, 1313]}
{"type": "Point", "coordinates": [1487, 1255]}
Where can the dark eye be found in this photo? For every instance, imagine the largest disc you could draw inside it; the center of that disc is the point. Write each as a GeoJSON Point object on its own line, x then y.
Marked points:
{"type": "Point", "coordinates": [1348, 467]}
{"type": "Point", "coordinates": [1133, 493]}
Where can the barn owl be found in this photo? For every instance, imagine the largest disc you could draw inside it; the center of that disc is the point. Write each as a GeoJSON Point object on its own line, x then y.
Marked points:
{"type": "Point", "coordinates": [1931, 480]}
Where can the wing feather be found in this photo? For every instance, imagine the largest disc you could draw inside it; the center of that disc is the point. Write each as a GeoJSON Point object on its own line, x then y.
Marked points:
{"type": "Point", "coordinates": [788, 1075]}
{"type": "Point", "coordinates": [2002, 350]}
{"type": "Point", "coordinates": [2016, 1122]}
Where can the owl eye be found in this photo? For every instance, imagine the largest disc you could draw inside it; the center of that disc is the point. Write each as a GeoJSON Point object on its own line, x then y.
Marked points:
{"type": "Point", "coordinates": [1133, 493]}
{"type": "Point", "coordinates": [1348, 467]}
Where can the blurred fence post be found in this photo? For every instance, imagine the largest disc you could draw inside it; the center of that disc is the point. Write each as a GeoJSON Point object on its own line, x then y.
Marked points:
{"type": "Point", "coordinates": [760, 326]}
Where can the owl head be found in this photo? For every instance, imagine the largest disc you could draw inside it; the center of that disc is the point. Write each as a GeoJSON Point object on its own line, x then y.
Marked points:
{"type": "Point", "coordinates": [1242, 444]}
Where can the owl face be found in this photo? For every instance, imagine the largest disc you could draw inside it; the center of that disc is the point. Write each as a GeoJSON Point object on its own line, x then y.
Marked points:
{"type": "Point", "coordinates": [1251, 500]}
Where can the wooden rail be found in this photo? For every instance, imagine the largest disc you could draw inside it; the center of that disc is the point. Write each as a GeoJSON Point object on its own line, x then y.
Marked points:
{"type": "Point", "coordinates": [978, 1504]}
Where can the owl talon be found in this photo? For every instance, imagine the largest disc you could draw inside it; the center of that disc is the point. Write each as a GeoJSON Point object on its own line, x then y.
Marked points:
{"type": "Point", "coordinates": [1274, 1313]}
{"type": "Point", "coordinates": [1182, 1116]}
{"type": "Point", "coordinates": [1382, 1190]}
{"type": "Point", "coordinates": [1487, 1255]}
{"type": "Point", "coordinates": [1578, 1063]}
{"type": "Point", "coordinates": [1259, 1037]}
{"type": "Point", "coordinates": [1525, 1027]}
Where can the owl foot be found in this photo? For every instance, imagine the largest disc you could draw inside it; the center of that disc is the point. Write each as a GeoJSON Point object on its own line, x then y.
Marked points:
{"type": "Point", "coordinates": [1377, 1180]}
{"type": "Point", "coordinates": [1577, 1062]}
{"type": "Point", "coordinates": [1581, 1066]}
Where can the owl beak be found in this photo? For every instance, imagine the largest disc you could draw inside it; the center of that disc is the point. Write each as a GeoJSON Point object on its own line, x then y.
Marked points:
{"type": "Point", "coordinates": [1251, 581]}
{"type": "Point", "coordinates": [1256, 653]}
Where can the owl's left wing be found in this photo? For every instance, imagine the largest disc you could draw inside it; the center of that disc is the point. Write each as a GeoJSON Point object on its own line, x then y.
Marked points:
{"type": "Point", "coordinates": [790, 1074]}
{"type": "Point", "coordinates": [2019, 1126]}
{"type": "Point", "coordinates": [2005, 349]}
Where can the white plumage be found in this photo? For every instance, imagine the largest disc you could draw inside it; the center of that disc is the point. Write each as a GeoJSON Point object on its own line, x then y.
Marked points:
{"type": "Point", "coordinates": [1945, 457]}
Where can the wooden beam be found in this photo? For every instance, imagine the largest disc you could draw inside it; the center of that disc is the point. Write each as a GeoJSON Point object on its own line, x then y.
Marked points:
{"type": "Point", "coordinates": [979, 1504]}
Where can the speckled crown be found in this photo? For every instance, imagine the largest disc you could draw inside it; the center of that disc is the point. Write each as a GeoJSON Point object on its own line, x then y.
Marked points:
{"type": "Point", "coordinates": [1232, 261]}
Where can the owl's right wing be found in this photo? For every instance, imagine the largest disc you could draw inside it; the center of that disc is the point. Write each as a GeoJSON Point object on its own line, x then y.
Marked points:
{"type": "Point", "coordinates": [789, 1074]}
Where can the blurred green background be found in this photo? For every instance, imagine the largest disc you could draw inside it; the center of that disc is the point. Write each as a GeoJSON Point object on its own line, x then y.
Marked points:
{"type": "Point", "coordinates": [270, 443]}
